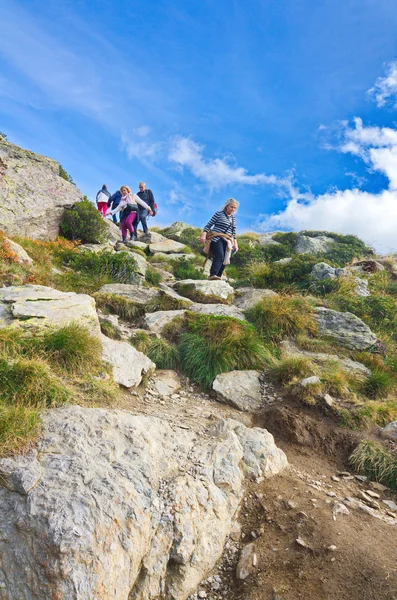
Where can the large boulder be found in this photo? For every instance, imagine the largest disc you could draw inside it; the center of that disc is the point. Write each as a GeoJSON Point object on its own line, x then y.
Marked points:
{"type": "Point", "coordinates": [345, 328]}
{"type": "Point", "coordinates": [207, 292]}
{"type": "Point", "coordinates": [119, 506]}
{"type": "Point", "coordinates": [36, 307]}
{"type": "Point", "coordinates": [166, 247]}
{"type": "Point", "coordinates": [313, 245]}
{"type": "Point", "coordinates": [128, 364]}
{"type": "Point", "coordinates": [33, 196]}
{"type": "Point", "coordinates": [139, 295]}
{"type": "Point", "coordinates": [247, 297]}
{"type": "Point", "coordinates": [241, 389]}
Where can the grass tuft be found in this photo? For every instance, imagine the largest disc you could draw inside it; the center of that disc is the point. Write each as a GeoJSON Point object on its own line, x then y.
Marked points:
{"type": "Point", "coordinates": [73, 348]}
{"type": "Point", "coordinates": [19, 426]}
{"type": "Point", "coordinates": [164, 354]}
{"type": "Point", "coordinates": [292, 367]}
{"type": "Point", "coordinates": [374, 460]}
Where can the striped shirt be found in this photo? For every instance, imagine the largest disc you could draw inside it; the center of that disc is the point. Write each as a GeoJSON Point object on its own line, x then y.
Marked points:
{"type": "Point", "coordinates": [222, 223]}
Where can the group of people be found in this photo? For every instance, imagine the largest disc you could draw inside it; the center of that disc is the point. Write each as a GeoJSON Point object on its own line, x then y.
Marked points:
{"type": "Point", "coordinates": [131, 208]}
{"type": "Point", "coordinates": [218, 237]}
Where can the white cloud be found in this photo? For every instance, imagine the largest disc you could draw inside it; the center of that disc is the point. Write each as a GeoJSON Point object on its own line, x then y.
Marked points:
{"type": "Point", "coordinates": [372, 217]}
{"type": "Point", "coordinates": [141, 150]}
{"type": "Point", "coordinates": [216, 172]}
{"type": "Point", "coordinates": [142, 131]}
{"type": "Point", "coordinates": [385, 88]}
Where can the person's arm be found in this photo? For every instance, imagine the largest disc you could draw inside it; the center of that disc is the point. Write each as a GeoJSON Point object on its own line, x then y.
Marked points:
{"type": "Point", "coordinates": [96, 197]}
{"type": "Point", "coordinates": [151, 197]}
{"type": "Point", "coordinates": [142, 203]}
{"type": "Point", "coordinates": [235, 245]}
{"type": "Point", "coordinates": [210, 223]}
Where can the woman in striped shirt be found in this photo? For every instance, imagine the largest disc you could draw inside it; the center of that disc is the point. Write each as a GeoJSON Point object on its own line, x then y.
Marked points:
{"type": "Point", "coordinates": [223, 222]}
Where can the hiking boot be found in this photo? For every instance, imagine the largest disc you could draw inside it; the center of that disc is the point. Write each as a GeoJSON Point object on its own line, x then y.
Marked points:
{"type": "Point", "coordinates": [124, 239]}
{"type": "Point", "coordinates": [214, 278]}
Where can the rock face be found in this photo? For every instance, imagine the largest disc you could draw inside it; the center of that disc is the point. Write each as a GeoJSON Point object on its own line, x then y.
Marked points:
{"type": "Point", "coordinates": [240, 389]}
{"type": "Point", "coordinates": [390, 431]}
{"type": "Point", "coordinates": [124, 507]}
{"type": "Point", "coordinates": [208, 292]}
{"type": "Point", "coordinates": [248, 297]}
{"type": "Point", "coordinates": [32, 193]}
{"type": "Point", "coordinates": [313, 245]}
{"type": "Point", "coordinates": [347, 329]}
{"type": "Point", "coordinates": [129, 365]}
{"type": "Point", "coordinates": [36, 307]}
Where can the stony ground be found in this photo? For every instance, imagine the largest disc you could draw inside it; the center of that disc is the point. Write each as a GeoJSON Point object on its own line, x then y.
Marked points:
{"type": "Point", "coordinates": [318, 532]}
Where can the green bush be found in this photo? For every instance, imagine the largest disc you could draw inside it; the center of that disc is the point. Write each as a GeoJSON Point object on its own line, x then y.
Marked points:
{"type": "Point", "coordinates": [152, 277]}
{"type": "Point", "coordinates": [83, 222]}
{"type": "Point", "coordinates": [31, 383]}
{"type": "Point", "coordinates": [296, 273]}
{"type": "Point", "coordinates": [277, 317]}
{"type": "Point", "coordinates": [120, 266]}
{"type": "Point", "coordinates": [184, 268]}
{"type": "Point", "coordinates": [73, 348]}
{"type": "Point", "coordinates": [287, 239]}
{"type": "Point", "coordinates": [376, 462]}
{"type": "Point", "coordinates": [210, 345]}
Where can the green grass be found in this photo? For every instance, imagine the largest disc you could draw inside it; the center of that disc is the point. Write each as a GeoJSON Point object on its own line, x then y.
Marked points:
{"type": "Point", "coordinates": [371, 412]}
{"type": "Point", "coordinates": [19, 426]}
{"type": "Point", "coordinates": [210, 345]}
{"type": "Point", "coordinates": [153, 277]}
{"type": "Point", "coordinates": [118, 305]}
{"type": "Point", "coordinates": [379, 384]}
{"type": "Point", "coordinates": [30, 382]}
{"type": "Point", "coordinates": [278, 317]}
{"type": "Point", "coordinates": [163, 353]}
{"type": "Point", "coordinates": [287, 369]}
{"type": "Point", "coordinates": [376, 462]}
{"type": "Point", "coordinates": [184, 268]}
{"type": "Point", "coordinates": [73, 348]}
{"type": "Point", "coordinates": [120, 267]}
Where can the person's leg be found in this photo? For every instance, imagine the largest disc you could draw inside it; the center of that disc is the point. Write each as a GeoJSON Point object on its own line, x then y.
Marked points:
{"type": "Point", "coordinates": [129, 223]}
{"type": "Point", "coordinates": [134, 216]}
{"type": "Point", "coordinates": [124, 229]}
{"type": "Point", "coordinates": [142, 218]}
{"type": "Point", "coordinates": [218, 254]}
{"type": "Point", "coordinates": [103, 208]}
{"type": "Point", "coordinates": [114, 217]}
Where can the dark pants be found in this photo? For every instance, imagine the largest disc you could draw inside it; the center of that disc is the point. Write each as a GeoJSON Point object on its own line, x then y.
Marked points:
{"type": "Point", "coordinates": [218, 250]}
{"type": "Point", "coordinates": [142, 219]}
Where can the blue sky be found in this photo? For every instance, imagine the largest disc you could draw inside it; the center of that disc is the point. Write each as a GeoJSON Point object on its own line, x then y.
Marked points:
{"type": "Point", "coordinates": [287, 105]}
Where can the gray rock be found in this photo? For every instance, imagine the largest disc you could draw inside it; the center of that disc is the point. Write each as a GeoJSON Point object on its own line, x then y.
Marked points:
{"type": "Point", "coordinates": [313, 245]}
{"type": "Point", "coordinates": [391, 505]}
{"type": "Point", "coordinates": [390, 431]}
{"type": "Point", "coordinates": [22, 257]}
{"type": "Point", "coordinates": [166, 290]}
{"type": "Point", "coordinates": [129, 365]}
{"type": "Point", "coordinates": [266, 239]}
{"type": "Point", "coordinates": [113, 233]}
{"type": "Point", "coordinates": [166, 382]}
{"type": "Point", "coordinates": [361, 288]}
{"type": "Point", "coordinates": [96, 248]}
{"type": "Point", "coordinates": [156, 322]}
{"type": "Point", "coordinates": [176, 227]}
{"type": "Point", "coordinates": [347, 329]}
{"type": "Point", "coordinates": [247, 562]}
{"type": "Point", "coordinates": [322, 271]}
{"type": "Point", "coordinates": [240, 389]}
{"type": "Point", "coordinates": [154, 237]}
{"type": "Point", "coordinates": [205, 291]}
{"type": "Point", "coordinates": [283, 261]}
{"type": "Point", "coordinates": [222, 310]}
{"type": "Point", "coordinates": [36, 307]}
{"type": "Point", "coordinates": [20, 474]}
{"type": "Point", "coordinates": [137, 294]}
{"type": "Point", "coordinates": [173, 256]}
{"type": "Point", "coordinates": [313, 380]}
{"type": "Point", "coordinates": [247, 297]}
{"type": "Point", "coordinates": [166, 246]}
{"type": "Point", "coordinates": [140, 262]}
{"type": "Point", "coordinates": [122, 510]}
{"type": "Point", "coordinates": [136, 244]}
{"type": "Point", "coordinates": [33, 196]}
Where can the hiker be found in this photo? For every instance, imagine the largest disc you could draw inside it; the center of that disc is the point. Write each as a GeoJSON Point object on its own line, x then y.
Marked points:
{"type": "Point", "coordinates": [147, 196]}
{"type": "Point", "coordinates": [222, 245]}
{"type": "Point", "coordinates": [129, 205]}
{"type": "Point", "coordinates": [113, 203]}
{"type": "Point", "coordinates": [102, 198]}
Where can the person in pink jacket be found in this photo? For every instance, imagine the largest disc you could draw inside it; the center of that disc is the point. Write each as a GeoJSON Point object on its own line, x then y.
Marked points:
{"type": "Point", "coordinates": [128, 205]}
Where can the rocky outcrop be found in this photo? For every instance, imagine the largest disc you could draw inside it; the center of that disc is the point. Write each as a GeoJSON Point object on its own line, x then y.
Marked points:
{"type": "Point", "coordinates": [172, 256]}
{"type": "Point", "coordinates": [266, 239]}
{"type": "Point", "coordinates": [314, 245]}
{"type": "Point", "coordinates": [247, 297]}
{"type": "Point", "coordinates": [128, 364]}
{"type": "Point", "coordinates": [36, 307]}
{"type": "Point", "coordinates": [32, 193]}
{"type": "Point", "coordinates": [176, 228]}
{"type": "Point", "coordinates": [116, 506]}
{"type": "Point", "coordinates": [345, 328]}
{"type": "Point", "coordinates": [322, 271]}
{"type": "Point", "coordinates": [241, 389]}
{"type": "Point", "coordinates": [207, 292]}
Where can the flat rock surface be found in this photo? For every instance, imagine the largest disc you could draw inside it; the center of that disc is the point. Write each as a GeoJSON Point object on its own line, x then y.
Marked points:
{"type": "Point", "coordinates": [204, 290]}
{"type": "Point", "coordinates": [314, 245]}
{"type": "Point", "coordinates": [126, 506]}
{"type": "Point", "coordinates": [166, 246]}
{"type": "Point", "coordinates": [36, 307]}
{"type": "Point", "coordinates": [166, 382]}
{"type": "Point", "coordinates": [223, 310]}
{"type": "Point", "coordinates": [137, 294]}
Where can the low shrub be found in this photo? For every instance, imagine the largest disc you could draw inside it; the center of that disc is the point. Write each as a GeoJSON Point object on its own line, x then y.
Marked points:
{"type": "Point", "coordinates": [278, 317]}
{"type": "Point", "coordinates": [83, 222]}
{"type": "Point", "coordinates": [19, 426]}
{"type": "Point", "coordinates": [120, 266]}
{"type": "Point", "coordinates": [379, 384]}
{"type": "Point", "coordinates": [291, 368]}
{"type": "Point", "coordinates": [73, 348]}
{"type": "Point", "coordinates": [31, 383]}
{"type": "Point", "coordinates": [376, 462]}
{"type": "Point", "coordinates": [296, 273]}
{"type": "Point", "coordinates": [184, 268]}
{"type": "Point", "coordinates": [153, 277]}
{"type": "Point", "coordinates": [164, 354]}
{"type": "Point", "coordinates": [210, 345]}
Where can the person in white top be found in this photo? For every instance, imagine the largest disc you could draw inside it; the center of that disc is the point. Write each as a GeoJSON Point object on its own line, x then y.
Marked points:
{"type": "Point", "coordinates": [128, 205]}
{"type": "Point", "coordinates": [102, 198]}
